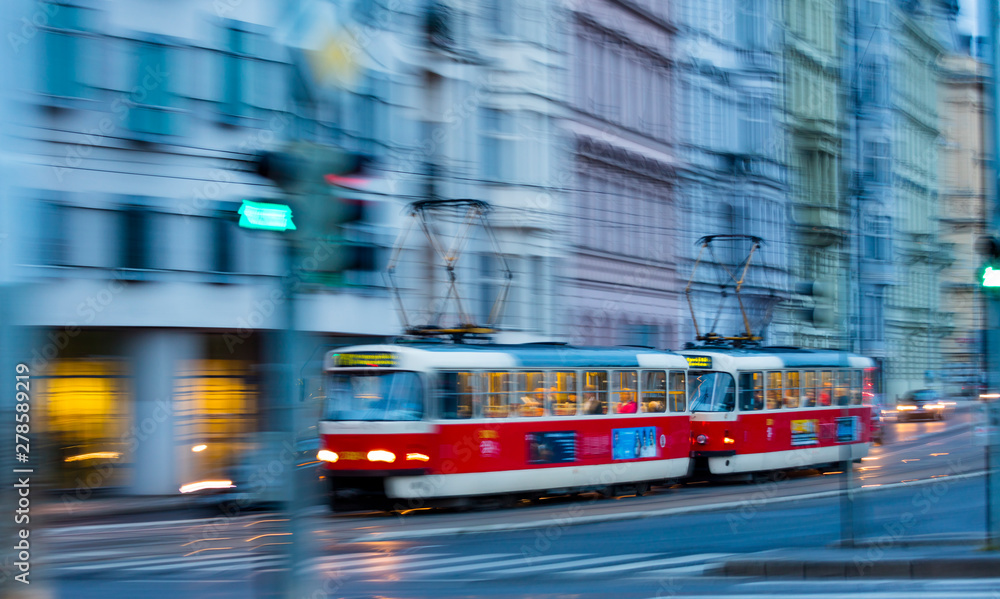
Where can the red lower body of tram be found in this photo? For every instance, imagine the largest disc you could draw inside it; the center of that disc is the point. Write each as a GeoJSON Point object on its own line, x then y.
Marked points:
{"type": "Point", "coordinates": [739, 442]}
{"type": "Point", "coordinates": [405, 465]}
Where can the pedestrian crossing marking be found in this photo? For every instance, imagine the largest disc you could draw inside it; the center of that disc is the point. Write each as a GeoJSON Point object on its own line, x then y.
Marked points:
{"type": "Point", "coordinates": [572, 565]}
{"type": "Point", "coordinates": [374, 565]}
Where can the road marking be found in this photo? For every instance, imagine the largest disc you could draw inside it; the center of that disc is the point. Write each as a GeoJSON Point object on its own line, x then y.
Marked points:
{"type": "Point", "coordinates": [55, 531]}
{"type": "Point", "coordinates": [686, 559]}
{"type": "Point", "coordinates": [166, 563]}
{"type": "Point", "coordinates": [469, 567]}
{"type": "Point", "coordinates": [604, 559]}
{"type": "Point", "coordinates": [420, 563]}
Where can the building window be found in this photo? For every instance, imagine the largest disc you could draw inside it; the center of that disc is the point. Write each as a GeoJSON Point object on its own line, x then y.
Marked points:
{"type": "Point", "coordinates": [64, 71]}
{"type": "Point", "coordinates": [53, 243]}
{"type": "Point", "coordinates": [152, 114]}
{"type": "Point", "coordinates": [751, 23]}
{"type": "Point", "coordinates": [753, 126]}
{"type": "Point", "coordinates": [877, 238]}
{"type": "Point", "coordinates": [234, 74]}
{"type": "Point", "coordinates": [874, 86]}
{"type": "Point", "coordinates": [135, 238]}
{"type": "Point", "coordinates": [876, 157]}
{"type": "Point", "coordinates": [497, 138]}
{"type": "Point", "coordinates": [499, 16]}
{"type": "Point", "coordinates": [222, 244]}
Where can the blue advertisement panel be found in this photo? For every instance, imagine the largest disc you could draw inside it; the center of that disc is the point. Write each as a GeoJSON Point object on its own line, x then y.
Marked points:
{"type": "Point", "coordinates": [847, 429]}
{"type": "Point", "coordinates": [632, 443]}
{"type": "Point", "coordinates": [554, 447]}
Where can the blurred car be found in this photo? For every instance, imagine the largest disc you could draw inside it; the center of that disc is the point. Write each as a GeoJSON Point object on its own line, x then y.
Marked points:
{"type": "Point", "coordinates": [920, 404]}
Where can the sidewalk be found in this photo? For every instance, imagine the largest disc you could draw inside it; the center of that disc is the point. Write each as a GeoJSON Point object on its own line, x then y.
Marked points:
{"type": "Point", "coordinates": [918, 558]}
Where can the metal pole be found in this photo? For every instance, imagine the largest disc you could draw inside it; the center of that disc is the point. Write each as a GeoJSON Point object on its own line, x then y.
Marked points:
{"type": "Point", "coordinates": [992, 135]}
{"type": "Point", "coordinates": [298, 582]}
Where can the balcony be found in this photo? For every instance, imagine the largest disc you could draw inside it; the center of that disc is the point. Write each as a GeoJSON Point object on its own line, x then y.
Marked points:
{"type": "Point", "coordinates": [820, 225]}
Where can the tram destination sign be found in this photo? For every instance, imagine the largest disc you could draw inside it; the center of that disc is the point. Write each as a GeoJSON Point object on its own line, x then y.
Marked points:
{"type": "Point", "coordinates": [699, 361]}
{"type": "Point", "coordinates": [365, 360]}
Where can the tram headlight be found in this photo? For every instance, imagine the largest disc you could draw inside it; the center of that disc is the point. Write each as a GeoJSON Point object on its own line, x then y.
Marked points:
{"type": "Point", "coordinates": [728, 440]}
{"type": "Point", "coordinates": [325, 455]}
{"type": "Point", "coordinates": [701, 439]}
{"type": "Point", "coordinates": [419, 457]}
{"type": "Point", "coordinates": [381, 455]}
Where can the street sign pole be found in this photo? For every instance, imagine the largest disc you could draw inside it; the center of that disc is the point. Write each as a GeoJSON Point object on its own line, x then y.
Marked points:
{"type": "Point", "coordinates": [992, 300]}
{"type": "Point", "coordinates": [992, 424]}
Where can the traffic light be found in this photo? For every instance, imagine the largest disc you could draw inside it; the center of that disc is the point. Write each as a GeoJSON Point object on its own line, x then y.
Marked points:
{"type": "Point", "coordinates": [823, 312]}
{"type": "Point", "coordinates": [989, 274]}
{"type": "Point", "coordinates": [320, 183]}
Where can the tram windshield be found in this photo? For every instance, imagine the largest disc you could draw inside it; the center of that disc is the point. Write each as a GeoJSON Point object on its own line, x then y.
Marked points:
{"type": "Point", "coordinates": [711, 391]}
{"type": "Point", "coordinates": [392, 395]}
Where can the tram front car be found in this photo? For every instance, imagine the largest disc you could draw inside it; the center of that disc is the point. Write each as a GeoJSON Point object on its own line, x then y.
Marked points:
{"type": "Point", "coordinates": [372, 427]}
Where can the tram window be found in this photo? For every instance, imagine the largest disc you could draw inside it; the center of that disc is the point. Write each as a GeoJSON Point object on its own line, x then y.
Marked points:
{"type": "Point", "coordinates": [530, 394]}
{"type": "Point", "coordinates": [712, 391]}
{"type": "Point", "coordinates": [498, 385]}
{"type": "Point", "coordinates": [841, 393]}
{"type": "Point", "coordinates": [564, 398]}
{"type": "Point", "coordinates": [654, 391]}
{"type": "Point", "coordinates": [678, 390]}
{"type": "Point", "coordinates": [855, 387]}
{"type": "Point", "coordinates": [751, 391]}
{"type": "Point", "coordinates": [390, 395]}
{"type": "Point", "coordinates": [624, 391]}
{"type": "Point", "coordinates": [825, 388]}
{"type": "Point", "coordinates": [808, 389]}
{"type": "Point", "coordinates": [792, 391]}
{"type": "Point", "coordinates": [774, 399]}
{"type": "Point", "coordinates": [457, 390]}
{"type": "Point", "coordinates": [595, 393]}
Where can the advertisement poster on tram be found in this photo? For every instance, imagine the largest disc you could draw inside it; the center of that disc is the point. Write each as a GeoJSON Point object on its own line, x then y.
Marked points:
{"type": "Point", "coordinates": [805, 432]}
{"type": "Point", "coordinates": [632, 443]}
{"type": "Point", "coordinates": [847, 429]}
{"type": "Point", "coordinates": [554, 447]}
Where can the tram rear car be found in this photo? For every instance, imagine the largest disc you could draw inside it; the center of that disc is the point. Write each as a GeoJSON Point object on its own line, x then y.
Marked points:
{"type": "Point", "coordinates": [777, 408]}
{"type": "Point", "coordinates": [425, 423]}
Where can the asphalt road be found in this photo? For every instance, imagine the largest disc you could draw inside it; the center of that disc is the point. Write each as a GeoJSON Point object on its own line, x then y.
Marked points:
{"type": "Point", "coordinates": [925, 481]}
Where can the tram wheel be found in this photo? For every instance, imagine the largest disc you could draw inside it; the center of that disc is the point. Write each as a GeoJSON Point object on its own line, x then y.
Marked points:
{"type": "Point", "coordinates": [641, 489]}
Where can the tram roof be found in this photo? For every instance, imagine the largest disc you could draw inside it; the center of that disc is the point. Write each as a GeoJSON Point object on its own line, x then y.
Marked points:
{"type": "Point", "coordinates": [533, 355]}
{"type": "Point", "coordinates": [791, 357]}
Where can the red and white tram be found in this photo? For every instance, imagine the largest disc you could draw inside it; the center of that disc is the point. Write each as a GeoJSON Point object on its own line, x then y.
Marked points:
{"type": "Point", "coordinates": [777, 408]}
{"type": "Point", "coordinates": [411, 424]}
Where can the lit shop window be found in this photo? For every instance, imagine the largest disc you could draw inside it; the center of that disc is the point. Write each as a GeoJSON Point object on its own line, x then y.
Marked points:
{"type": "Point", "coordinates": [86, 405]}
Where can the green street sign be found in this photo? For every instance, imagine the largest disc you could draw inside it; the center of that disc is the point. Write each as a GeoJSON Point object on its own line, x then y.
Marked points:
{"type": "Point", "coordinates": [268, 217]}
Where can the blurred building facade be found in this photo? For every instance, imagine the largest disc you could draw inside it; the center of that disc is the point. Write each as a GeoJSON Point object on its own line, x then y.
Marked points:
{"type": "Point", "coordinates": [622, 270]}
{"type": "Point", "coordinates": [817, 125]}
{"type": "Point", "coordinates": [962, 167]}
{"type": "Point", "coordinates": [156, 318]}
{"type": "Point", "coordinates": [733, 176]}
{"type": "Point", "coordinates": [915, 323]}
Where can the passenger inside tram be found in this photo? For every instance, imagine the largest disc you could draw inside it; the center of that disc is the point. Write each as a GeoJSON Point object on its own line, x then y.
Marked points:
{"type": "Point", "coordinates": [627, 404]}
{"type": "Point", "coordinates": [591, 405]}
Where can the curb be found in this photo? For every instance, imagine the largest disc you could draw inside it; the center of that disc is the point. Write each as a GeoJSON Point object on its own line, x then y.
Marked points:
{"type": "Point", "coordinates": [761, 567]}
